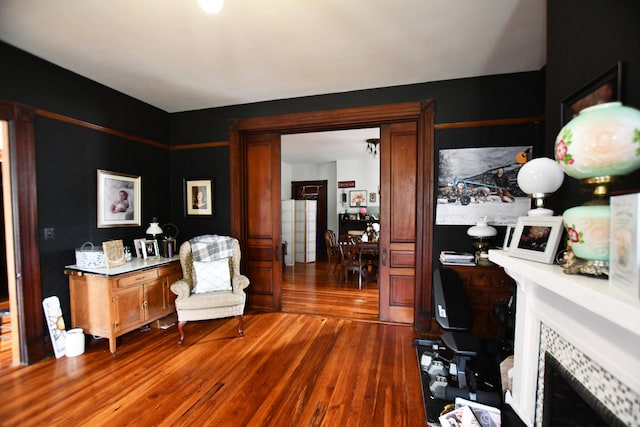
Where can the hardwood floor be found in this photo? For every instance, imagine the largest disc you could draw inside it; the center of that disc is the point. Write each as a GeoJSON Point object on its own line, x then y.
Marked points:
{"type": "Point", "coordinates": [288, 370]}
{"type": "Point", "coordinates": [313, 288]}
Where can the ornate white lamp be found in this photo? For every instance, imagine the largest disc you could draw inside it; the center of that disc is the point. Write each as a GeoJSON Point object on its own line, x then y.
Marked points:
{"type": "Point", "coordinates": [539, 178]}
{"type": "Point", "coordinates": [600, 144]}
{"type": "Point", "coordinates": [481, 233]}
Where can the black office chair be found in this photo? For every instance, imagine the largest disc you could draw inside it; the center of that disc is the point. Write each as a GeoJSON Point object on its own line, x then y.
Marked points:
{"type": "Point", "coordinates": [453, 314]}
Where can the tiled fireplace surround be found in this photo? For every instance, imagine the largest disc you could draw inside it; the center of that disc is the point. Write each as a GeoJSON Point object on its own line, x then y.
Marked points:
{"type": "Point", "coordinates": [591, 328]}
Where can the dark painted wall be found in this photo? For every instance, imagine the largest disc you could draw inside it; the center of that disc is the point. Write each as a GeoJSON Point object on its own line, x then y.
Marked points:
{"type": "Point", "coordinates": [67, 157]}
{"type": "Point", "coordinates": [584, 39]}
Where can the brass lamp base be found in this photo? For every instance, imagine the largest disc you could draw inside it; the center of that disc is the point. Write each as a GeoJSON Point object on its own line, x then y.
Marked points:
{"type": "Point", "coordinates": [589, 268]}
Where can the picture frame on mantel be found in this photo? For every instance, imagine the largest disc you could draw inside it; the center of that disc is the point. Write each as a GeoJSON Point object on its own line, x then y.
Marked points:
{"type": "Point", "coordinates": [536, 238]}
{"type": "Point", "coordinates": [119, 196]}
{"type": "Point", "coordinates": [607, 87]}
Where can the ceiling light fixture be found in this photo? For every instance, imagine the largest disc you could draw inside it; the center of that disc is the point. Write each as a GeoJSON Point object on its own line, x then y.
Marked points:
{"type": "Point", "coordinates": [211, 6]}
{"type": "Point", "coordinates": [372, 146]}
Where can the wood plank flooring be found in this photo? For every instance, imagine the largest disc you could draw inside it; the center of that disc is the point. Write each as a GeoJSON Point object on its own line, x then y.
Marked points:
{"type": "Point", "coordinates": [314, 288]}
{"type": "Point", "coordinates": [290, 369]}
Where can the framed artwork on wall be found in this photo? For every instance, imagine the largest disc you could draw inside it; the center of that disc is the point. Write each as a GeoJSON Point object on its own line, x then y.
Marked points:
{"type": "Point", "coordinates": [357, 198]}
{"type": "Point", "coordinates": [198, 197]}
{"type": "Point", "coordinates": [119, 198]}
{"type": "Point", "coordinates": [607, 87]}
{"type": "Point", "coordinates": [480, 182]}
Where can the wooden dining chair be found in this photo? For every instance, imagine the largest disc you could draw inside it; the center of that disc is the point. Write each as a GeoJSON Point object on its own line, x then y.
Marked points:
{"type": "Point", "coordinates": [352, 259]}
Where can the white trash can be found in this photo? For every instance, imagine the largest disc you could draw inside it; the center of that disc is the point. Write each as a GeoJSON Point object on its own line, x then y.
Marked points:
{"type": "Point", "coordinates": [74, 342]}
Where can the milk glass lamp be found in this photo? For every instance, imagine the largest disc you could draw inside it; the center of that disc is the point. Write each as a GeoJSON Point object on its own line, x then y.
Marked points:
{"type": "Point", "coordinates": [482, 232]}
{"type": "Point", "coordinates": [600, 144]}
{"type": "Point", "coordinates": [154, 228]}
{"type": "Point", "coordinates": [539, 178]}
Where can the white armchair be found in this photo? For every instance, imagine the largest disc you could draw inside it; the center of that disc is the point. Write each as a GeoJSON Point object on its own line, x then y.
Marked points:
{"type": "Point", "coordinates": [205, 293]}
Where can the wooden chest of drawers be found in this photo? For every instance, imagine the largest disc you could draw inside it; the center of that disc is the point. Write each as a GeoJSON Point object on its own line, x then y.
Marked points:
{"type": "Point", "coordinates": [485, 287]}
{"type": "Point", "coordinates": [112, 305]}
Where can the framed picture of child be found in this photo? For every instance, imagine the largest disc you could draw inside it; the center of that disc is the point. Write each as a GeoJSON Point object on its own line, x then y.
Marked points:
{"type": "Point", "coordinates": [118, 200]}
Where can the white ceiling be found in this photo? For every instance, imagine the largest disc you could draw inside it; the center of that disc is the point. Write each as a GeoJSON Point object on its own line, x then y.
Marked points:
{"type": "Point", "coordinates": [172, 55]}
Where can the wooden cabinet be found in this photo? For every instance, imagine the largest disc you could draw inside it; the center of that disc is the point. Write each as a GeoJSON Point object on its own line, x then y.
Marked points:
{"type": "Point", "coordinates": [485, 288]}
{"type": "Point", "coordinates": [110, 305]}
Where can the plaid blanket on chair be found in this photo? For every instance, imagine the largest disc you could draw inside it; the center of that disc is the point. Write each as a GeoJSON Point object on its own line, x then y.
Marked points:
{"type": "Point", "coordinates": [211, 247]}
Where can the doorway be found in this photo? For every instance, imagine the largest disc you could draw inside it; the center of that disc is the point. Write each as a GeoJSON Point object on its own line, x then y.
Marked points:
{"type": "Point", "coordinates": [407, 129]}
{"type": "Point", "coordinates": [9, 339]}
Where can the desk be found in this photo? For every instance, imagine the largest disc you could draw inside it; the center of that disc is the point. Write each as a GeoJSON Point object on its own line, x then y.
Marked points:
{"type": "Point", "coordinates": [111, 302]}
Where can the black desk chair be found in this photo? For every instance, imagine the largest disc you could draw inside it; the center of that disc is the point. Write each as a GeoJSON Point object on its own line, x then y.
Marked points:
{"type": "Point", "coordinates": [453, 314]}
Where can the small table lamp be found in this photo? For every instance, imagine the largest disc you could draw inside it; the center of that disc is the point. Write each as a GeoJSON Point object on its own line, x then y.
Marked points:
{"type": "Point", "coordinates": [538, 178]}
{"type": "Point", "coordinates": [481, 232]}
{"type": "Point", "coordinates": [154, 228]}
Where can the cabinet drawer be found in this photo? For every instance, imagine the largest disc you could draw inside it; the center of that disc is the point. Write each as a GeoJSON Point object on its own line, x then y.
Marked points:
{"type": "Point", "coordinates": [137, 278]}
{"type": "Point", "coordinates": [170, 270]}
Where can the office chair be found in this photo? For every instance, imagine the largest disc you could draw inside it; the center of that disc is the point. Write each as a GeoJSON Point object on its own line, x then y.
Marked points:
{"type": "Point", "coordinates": [453, 314]}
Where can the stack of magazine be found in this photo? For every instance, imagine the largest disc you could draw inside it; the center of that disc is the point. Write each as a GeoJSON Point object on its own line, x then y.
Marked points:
{"type": "Point", "coordinates": [457, 258]}
{"type": "Point", "coordinates": [471, 414]}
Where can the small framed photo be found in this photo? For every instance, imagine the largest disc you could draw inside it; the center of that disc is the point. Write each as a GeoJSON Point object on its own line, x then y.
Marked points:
{"type": "Point", "coordinates": [138, 244]}
{"type": "Point", "coordinates": [372, 197]}
{"type": "Point", "coordinates": [119, 198]}
{"type": "Point", "coordinates": [357, 198]}
{"type": "Point", "coordinates": [607, 87]}
{"type": "Point", "coordinates": [536, 238]}
{"type": "Point", "coordinates": [150, 249]}
{"type": "Point", "coordinates": [198, 197]}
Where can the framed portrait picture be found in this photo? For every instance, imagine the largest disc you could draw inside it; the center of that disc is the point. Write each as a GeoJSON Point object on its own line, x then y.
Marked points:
{"type": "Point", "coordinates": [536, 238]}
{"type": "Point", "coordinates": [150, 249]}
{"type": "Point", "coordinates": [372, 197]}
{"type": "Point", "coordinates": [138, 244]}
{"type": "Point", "coordinates": [198, 197]}
{"type": "Point", "coordinates": [119, 198]}
{"type": "Point", "coordinates": [607, 87]}
{"type": "Point", "coordinates": [358, 198]}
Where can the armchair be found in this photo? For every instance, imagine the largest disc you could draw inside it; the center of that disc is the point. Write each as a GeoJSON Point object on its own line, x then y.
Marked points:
{"type": "Point", "coordinates": [204, 292]}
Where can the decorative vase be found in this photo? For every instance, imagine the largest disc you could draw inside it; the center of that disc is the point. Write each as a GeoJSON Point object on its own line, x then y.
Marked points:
{"type": "Point", "coordinates": [601, 140]}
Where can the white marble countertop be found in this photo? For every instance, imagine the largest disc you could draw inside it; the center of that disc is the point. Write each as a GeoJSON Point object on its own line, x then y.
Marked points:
{"type": "Point", "coordinates": [133, 265]}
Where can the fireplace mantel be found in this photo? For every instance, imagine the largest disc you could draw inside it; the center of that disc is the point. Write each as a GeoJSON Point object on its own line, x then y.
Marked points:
{"type": "Point", "coordinates": [597, 319]}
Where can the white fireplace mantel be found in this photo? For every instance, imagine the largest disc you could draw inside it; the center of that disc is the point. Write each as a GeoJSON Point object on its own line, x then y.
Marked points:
{"type": "Point", "coordinates": [597, 319]}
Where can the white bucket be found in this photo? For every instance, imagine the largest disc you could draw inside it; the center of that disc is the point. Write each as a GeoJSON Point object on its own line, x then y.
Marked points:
{"type": "Point", "coordinates": [74, 342]}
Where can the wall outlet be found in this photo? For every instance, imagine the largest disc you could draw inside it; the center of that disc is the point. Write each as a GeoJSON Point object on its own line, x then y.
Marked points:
{"type": "Point", "coordinates": [49, 233]}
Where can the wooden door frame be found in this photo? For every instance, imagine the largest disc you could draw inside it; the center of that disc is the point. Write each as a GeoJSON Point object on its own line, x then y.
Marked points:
{"type": "Point", "coordinates": [420, 112]}
{"type": "Point", "coordinates": [31, 330]}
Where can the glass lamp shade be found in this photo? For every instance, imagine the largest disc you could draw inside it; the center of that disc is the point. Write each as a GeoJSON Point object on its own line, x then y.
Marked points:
{"type": "Point", "coordinates": [539, 177]}
{"type": "Point", "coordinates": [588, 231]}
{"type": "Point", "coordinates": [600, 141]}
{"type": "Point", "coordinates": [481, 232]}
{"type": "Point", "coordinates": [154, 228]}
